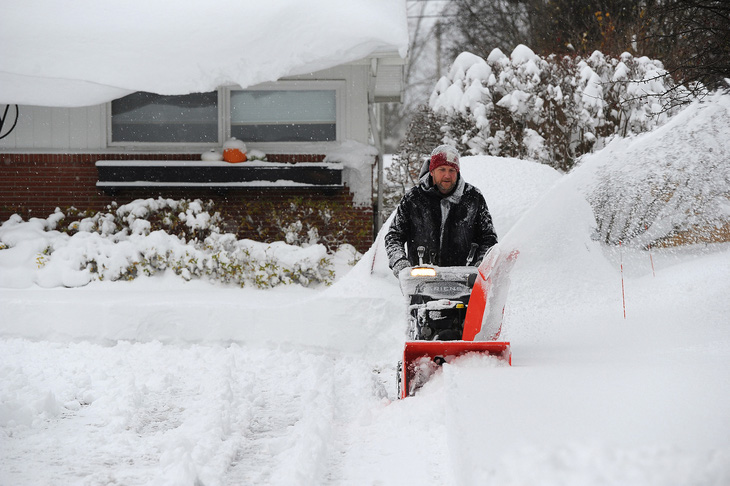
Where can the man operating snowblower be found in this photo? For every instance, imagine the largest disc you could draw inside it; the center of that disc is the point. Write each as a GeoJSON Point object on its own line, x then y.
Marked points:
{"type": "Point", "coordinates": [441, 232]}
{"type": "Point", "coordinates": [444, 215]}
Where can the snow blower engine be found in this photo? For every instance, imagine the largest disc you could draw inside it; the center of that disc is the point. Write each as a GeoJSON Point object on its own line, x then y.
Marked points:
{"type": "Point", "coordinates": [438, 299]}
{"type": "Point", "coordinates": [451, 312]}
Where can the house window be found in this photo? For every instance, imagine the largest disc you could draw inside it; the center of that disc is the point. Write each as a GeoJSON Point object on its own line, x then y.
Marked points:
{"type": "Point", "coordinates": [284, 115]}
{"type": "Point", "coordinates": [272, 115]}
{"type": "Point", "coordinates": [146, 117]}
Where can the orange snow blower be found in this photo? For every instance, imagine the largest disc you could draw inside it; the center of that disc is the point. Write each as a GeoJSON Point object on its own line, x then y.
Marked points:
{"type": "Point", "coordinates": [453, 311]}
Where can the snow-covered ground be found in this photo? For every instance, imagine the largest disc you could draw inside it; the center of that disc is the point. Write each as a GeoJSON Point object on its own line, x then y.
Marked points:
{"type": "Point", "coordinates": [162, 381]}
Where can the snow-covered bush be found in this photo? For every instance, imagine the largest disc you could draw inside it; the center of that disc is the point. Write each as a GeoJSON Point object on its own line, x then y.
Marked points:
{"type": "Point", "coordinates": [266, 265]}
{"type": "Point", "coordinates": [150, 236]}
{"type": "Point", "coordinates": [188, 220]}
{"type": "Point", "coordinates": [549, 109]}
{"type": "Point", "coordinates": [670, 186]}
{"type": "Point", "coordinates": [303, 222]}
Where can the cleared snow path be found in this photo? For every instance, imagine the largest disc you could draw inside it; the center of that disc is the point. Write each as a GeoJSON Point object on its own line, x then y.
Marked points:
{"type": "Point", "coordinates": [179, 414]}
{"type": "Point", "coordinates": [288, 417]}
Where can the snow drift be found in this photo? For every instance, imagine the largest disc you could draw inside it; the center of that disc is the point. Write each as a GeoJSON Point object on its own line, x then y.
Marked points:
{"type": "Point", "coordinates": [87, 53]}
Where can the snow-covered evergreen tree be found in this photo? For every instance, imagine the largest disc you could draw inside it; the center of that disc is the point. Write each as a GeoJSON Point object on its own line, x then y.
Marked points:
{"type": "Point", "coordinates": [550, 109]}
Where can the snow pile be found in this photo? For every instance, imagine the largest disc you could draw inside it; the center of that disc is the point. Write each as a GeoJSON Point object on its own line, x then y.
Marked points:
{"type": "Point", "coordinates": [510, 186]}
{"type": "Point", "coordinates": [672, 185]}
{"type": "Point", "coordinates": [548, 109]}
{"type": "Point", "coordinates": [91, 53]}
{"type": "Point", "coordinates": [122, 245]}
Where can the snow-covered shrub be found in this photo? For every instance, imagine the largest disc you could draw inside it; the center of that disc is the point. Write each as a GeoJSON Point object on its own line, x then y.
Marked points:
{"type": "Point", "coordinates": [549, 109]}
{"type": "Point", "coordinates": [189, 220]}
{"type": "Point", "coordinates": [266, 265]}
{"type": "Point", "coordinates": [672, 186]}
{"type": "Point", "coordinates": [135, 240]}
{"type": "Point", "coordinates": [304, 222]}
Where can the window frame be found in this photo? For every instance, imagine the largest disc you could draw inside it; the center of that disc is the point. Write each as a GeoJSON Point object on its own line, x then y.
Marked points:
{"type": "Point", "coordinates": [224, 120]}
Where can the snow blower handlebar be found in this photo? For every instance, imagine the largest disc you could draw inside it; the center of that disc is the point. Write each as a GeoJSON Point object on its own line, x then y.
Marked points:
{"type": "Point", "coordinates": [472, 254]}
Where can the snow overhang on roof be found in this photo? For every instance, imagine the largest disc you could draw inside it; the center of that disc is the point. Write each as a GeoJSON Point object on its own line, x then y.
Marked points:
{"type": "Point", "coordinates": [89, 52]}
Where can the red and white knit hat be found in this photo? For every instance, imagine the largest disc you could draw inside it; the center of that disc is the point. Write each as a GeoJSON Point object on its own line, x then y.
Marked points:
{"type": "Point", "coordinates": [444, 155]}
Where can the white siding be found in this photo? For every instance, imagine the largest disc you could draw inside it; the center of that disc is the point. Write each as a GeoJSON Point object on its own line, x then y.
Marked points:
{"type": "Point", "coordinates": [57, 129]}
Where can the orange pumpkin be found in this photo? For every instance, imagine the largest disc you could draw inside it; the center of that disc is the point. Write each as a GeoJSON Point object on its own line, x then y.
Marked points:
{"type": "Point", "coordinates": [234, 155]}
{"type": "Point", "coordinates": [234, 151]}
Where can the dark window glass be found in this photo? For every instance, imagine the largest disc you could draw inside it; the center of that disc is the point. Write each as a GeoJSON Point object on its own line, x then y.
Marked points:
{"type": "Point", "coordinates": [148, 117]}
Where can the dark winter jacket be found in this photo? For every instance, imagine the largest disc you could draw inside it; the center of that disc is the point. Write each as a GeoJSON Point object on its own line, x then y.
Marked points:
{"type": "Point", "coordinates": [445, 225]}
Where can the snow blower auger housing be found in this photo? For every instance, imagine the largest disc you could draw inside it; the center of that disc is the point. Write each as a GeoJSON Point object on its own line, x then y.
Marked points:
{"type": "Point", "coordinates": [453, 311]}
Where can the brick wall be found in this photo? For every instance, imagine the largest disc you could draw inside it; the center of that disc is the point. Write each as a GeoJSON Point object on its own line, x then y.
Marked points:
{"type": "Point", "coordinates": [33, 185]}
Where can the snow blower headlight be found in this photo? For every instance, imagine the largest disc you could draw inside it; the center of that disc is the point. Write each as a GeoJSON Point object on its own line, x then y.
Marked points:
{"type": "Point", "coordinates": [423, 272]}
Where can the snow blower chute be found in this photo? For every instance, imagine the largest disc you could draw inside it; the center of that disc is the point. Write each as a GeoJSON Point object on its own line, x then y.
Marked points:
{"type": "Point", "coordinates": [453, 311]}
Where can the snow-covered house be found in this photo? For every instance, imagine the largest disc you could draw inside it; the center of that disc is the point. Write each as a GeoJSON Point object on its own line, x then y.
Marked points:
{"type": "Point", "coordinates": [115, 102]}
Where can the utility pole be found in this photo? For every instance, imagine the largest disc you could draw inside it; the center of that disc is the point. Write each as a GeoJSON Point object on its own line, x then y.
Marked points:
{"type": "Point", "coordinates": [437, 30]}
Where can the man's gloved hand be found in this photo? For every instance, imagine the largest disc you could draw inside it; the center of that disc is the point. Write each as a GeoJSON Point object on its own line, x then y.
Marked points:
{"type": "Point", "coordinates": [400, 265]}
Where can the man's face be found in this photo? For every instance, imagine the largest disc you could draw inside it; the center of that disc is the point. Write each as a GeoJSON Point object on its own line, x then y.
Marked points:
{"type": "Point", "coordinates": [444, 177]}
